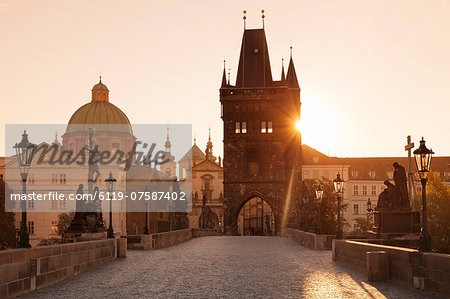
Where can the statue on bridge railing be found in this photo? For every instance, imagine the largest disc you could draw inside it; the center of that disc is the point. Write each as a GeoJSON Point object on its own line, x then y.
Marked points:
{"type": "Point", "coordinates": [395, 197]}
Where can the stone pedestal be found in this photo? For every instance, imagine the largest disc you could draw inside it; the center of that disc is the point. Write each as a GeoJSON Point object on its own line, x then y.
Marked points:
{"type": "Point", "coordinates": [396, 222]}
{"type": "Point", "coordinates": [121, 247]}
{"type": "Point", "coordinates": [377, 265]}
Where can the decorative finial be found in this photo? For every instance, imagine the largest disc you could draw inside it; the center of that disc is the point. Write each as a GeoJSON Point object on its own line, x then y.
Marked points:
{"type": "Point", "coordinates": [100, 78]}
{"type": "Point", "coordinates": [245, 18]}
{"type": "Point", "coordinates": [290, 48]}
{"type": "Point", "coordinates": [229, 70]}
{"type": "Point", "coordinates": [209, 138]}
{"type": "Point", "coordinates": [195, 139]}
{"type": "Point", "coordinates": [224, 61]}
{"type": "Point", "coordinates": [263, 16]}
{"type": "Point", "coordinates": [167, 131]}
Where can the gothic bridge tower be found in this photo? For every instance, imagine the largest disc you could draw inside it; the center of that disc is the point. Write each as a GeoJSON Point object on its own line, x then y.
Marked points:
{"type": "Point", "coordinates": [262, 146]}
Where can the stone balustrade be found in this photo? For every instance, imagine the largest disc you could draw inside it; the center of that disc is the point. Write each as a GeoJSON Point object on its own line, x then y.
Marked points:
{"type": "Point", "coordinates": [24, 270]}
{"type": "Point", "coordinates": [423, 270]}
{"type": "Point", "coordinates": [310, 240]}
{"type": "Point", "coordinates": [159, 240]}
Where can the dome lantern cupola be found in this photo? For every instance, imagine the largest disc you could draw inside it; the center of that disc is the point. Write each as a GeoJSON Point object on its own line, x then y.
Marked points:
{"type": "Point", "coordinates": [100, 92]}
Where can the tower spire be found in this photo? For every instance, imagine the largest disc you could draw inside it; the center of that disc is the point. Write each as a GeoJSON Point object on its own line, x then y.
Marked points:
{"type": "Point", "coordinates": [168, 145]}
{"type": "Point", "coordinates": [283, 77]}
{"type": "Point", "coordinates": [291, 76]}
{"type": "Point", "coordinates": [224, 75]}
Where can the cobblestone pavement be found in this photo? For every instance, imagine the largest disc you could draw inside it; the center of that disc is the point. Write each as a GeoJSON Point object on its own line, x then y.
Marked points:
{"type": "Point", "coordinates": [233, 267]}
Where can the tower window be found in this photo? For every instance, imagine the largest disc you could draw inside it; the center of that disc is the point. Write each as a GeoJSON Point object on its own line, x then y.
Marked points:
{"type": "Point", "coordinates": [355, 209]}
{"type": "Point", "coordinates": [238, 127]}
{"type": "Point", "coordinates": [263, 127]}
{"type": "Point", "coordinates": [269, 127]}
{"type": "Point", "coordinates": [364, 190]}
{"type": "Point", "coordinates": [244, 127]}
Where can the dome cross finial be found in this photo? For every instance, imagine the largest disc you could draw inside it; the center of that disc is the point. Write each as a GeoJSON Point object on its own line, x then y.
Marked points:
{"type": "Point", "coordinates": [100, 78]}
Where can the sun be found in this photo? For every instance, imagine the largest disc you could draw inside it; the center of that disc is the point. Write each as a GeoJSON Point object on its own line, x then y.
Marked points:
{"type": "Point", "coordinates": [298, 124]}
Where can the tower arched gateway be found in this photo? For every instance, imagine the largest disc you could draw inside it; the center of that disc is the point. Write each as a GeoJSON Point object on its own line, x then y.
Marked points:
{"type": "Point", "coordinates": [262, 147]}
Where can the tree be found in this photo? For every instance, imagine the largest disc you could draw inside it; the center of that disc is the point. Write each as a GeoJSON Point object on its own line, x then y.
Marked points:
{"type": "Point", "coordinates": [328, 207]}
{"type": "Point", "coordinates": [438, 212]}
{"type": "Point", "coordinates": [7, 228]}
{"type": "Point", "coordinates": [362, 225]}
{"type": "Point", "coordinates": [64, 220]}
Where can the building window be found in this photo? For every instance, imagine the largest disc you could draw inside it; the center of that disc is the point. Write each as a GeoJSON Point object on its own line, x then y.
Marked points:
{"type": "Point", "coordinates": [184, 173]}
{"type": "Point", "coordinates": [373, 190]}
{"type": "Point", "coordinates": [355, 209]}
{"type": "Point", "coordinates": [62, 178]}
{"type": "Point", "coordinates": [31, 203]}
{"type": "Point", "coordinates": [354, 174]}
{"type": "Point", "coordinates": [306, 174]}
{"type": "Point", "coordinates": [364, 190]}
{"type": "Point", "coordinates": [269, 127]}
{"type": "Point", "coordinates": [355, 190]}
{"type": "Point", "coordinates": [54, 227]}
{"type": "Point", "coordinates": [263, 127]}
{"type": "Point", "coordinates": [72, 147]}
{"type": "Point", "coordinates": [244, 127]}
{"type": "Point", "coordinates": [54, 204]}
{"type": "Point", "coordinates": [238, 127]}
{"type": "Point", "coordinates": [372, 174]}
{"type": "Point", "coordinates": [31, 227]}
{"type": "Point", "coordinates": [54, 178]}
{"type": "Point", "coordinates": [62, 204]}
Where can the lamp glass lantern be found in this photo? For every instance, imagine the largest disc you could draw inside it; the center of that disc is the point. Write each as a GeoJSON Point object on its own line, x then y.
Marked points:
{"type": "Point", "coordinates": [423, 159]}
{"type": "Point", "coordinates": [369, 205]}
{"type": "Point", "coordinates": [110, 183]}
{"type": "Point", "coordinates": [25, 152]}
{"type": "Point", "coordinates": [338, 184]}
{"type": "Point", "coordinates": [319, 193]}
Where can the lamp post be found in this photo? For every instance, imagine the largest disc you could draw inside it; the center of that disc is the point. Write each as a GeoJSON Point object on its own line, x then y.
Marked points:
{"type": "Point", "coordinates": [423, 161]}
{"type": "Point", "coordinates": [146, 231]}
{"type": "Point", "coordinates": [369, 209]}
{"type": "Point", "coordinates": [24, 151]}
{"type": "Point", "coordinates": [338, 188]}
{"type": "Point", "coordinates": [110, 184]}
{"type": "Point", "coordinates": [319, 196]}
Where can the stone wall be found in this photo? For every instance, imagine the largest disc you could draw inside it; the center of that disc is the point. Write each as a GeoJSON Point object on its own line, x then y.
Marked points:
{"type": "Point", "coordinates": [310, 240]}
{"type": "Point", "coordinates": [24, 270]}
{"type": "Point", "coordinates": [196, 233]}
{"type": "Point", "coordinates": [159, 240]}
{"type": "Point", "coordinates": [423, 270]}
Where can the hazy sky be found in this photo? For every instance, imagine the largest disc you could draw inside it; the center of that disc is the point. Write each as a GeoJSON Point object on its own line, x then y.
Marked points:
{"type": "Point", "coordinates": [371, 72]}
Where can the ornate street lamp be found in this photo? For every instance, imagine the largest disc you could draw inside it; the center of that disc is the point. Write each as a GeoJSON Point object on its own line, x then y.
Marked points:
{"type": "Point", "coordinates": [338, 188]}
{"type": "Point", "coordinates": [24, 152]}
{"type": "Point", "coordinates": [319, 196]}
{"type": "Point", "coordinates": [369, 209]}
{"type": "Point", "coordinates": [146, 231]}
{"type": "Point", "coordinates": [423, 161]}
{"type": "Point", "coordinates": [110, 186]}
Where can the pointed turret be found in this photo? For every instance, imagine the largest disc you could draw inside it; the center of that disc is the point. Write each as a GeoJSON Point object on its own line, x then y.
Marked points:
{"type": "Point", "coordinates": [224, 76]}
{"type": "Point", "coordinates": [291, 77]}
{"type": "Point", "coordinates": [283, 77]}
{"type": "Point", "coordinates": [168, 145]}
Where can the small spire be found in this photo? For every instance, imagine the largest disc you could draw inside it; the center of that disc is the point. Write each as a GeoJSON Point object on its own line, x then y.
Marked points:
{"type": "Point", "coordinates": [224, 75]}
{"type": "Point", "coordinates": [283, 77]}
{"type": "Point", "coordinates": [290, 49]}
{"type": "Point", "coordinates": [209, 138]}
{"type": "Point", "coordinates": [229, 70]}
{"type": "Point", "coordinates": [167, 131]}
{"type": "Point", "coordinates": [195, 139]}
{"type": "Point", "coordinates": [245, 18]}
{"type": "Point", "coordinates": [262, 17]}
